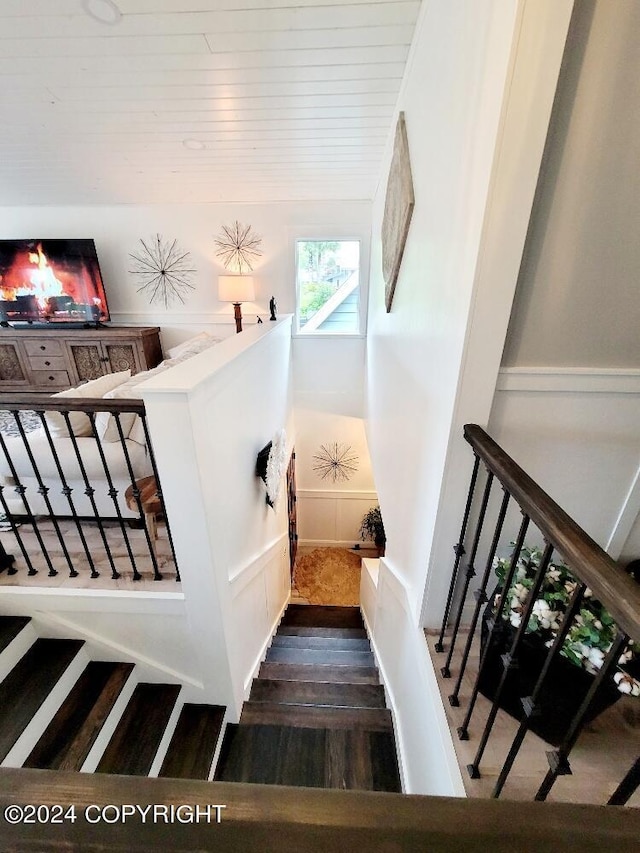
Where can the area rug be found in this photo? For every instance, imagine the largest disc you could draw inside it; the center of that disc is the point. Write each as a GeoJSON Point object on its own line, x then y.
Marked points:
{"type": "Point", "coordinates": [329, 576]}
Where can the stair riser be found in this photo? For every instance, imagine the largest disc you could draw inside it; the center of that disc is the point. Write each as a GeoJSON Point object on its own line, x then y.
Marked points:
{"type": "Point", "coordinates": [166, 738]}
{"type": "Point", "coordinates": [330, 644]}
{"type": "Point", "coordinates": [307, 672]}
{"type": "Point", "coordinates": [341, 633]}
{"type": "Point", "coordinates": [16, 650]}
{"type": "Point", "coordinates": [323, 617]}
{"type": "Point", "coordinates": [320, 656]}
{"type": "Point", "coordinates": [315, 717]}
{"type": "Point", "coordinates": [41, 719]}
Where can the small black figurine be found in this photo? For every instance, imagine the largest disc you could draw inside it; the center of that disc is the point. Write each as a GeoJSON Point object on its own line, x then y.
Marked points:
{"type": "Point", "coordinates": [273, 307]}
{"type": "Point", "coordinates": [259, 320]}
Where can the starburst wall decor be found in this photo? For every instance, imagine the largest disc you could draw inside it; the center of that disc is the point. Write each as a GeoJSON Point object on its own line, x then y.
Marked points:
{"type": "Point", "coordinates": [335, 462]}
{"type": "Point", "coordinates": [238, 247]}
{"type": "Point", "coordinates": [165, 272]}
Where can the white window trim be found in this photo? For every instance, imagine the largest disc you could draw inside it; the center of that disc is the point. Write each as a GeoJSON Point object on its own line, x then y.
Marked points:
{"type": "Point", "coordinates": [318, 233]}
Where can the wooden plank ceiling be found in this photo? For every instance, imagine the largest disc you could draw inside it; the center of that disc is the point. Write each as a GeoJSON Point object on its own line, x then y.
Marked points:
{"type": "Point", "coordinates": [197, 100]}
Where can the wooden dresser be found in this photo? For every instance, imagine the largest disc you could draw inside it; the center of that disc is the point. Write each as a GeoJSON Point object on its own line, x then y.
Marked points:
{"type": "Point", "coordinates": [59, 358]}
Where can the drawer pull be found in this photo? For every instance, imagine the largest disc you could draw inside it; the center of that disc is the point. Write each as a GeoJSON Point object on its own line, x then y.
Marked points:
{"type": "Point", "coordinates": [43, 347]}
{"type": "Point", "coordinates": [47, 363]}
{"type": "Point", "coordinates": [52, 378]}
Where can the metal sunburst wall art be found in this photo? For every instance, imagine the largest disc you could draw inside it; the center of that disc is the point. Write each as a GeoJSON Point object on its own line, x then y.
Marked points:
{"type": "Point", "coordinates": [165, 272]}
{"type": "Point", "coordinates": [335, 462]}
{"type": "Point", "coordinates": [238, 247]}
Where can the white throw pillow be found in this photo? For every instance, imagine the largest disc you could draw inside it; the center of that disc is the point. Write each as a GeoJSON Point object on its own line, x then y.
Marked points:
{"type": "Point", "coordinates": [78, 421]}
{"type": "Point", "coordinates": [194, 349]}
{"type": "Point", "coordinates": [106, 425]}
{"type": "Point", "coordinates": [186, 346]}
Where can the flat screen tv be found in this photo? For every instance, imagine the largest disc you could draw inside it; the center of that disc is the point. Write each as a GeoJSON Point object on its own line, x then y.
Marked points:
{"type": "Point", "coordinates": [46, 282]}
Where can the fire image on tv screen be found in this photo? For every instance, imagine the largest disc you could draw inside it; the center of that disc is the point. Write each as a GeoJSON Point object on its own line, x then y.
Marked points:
{"type": "Point", "coordinates": [51, 281]}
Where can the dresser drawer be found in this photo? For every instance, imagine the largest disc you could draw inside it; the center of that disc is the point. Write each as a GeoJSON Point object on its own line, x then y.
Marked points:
{"type": "Point", "coordinates": [44, 347]}
{"type": "Point", "coordinates": [54, 378]}
{"type": "Point", "coordinates": [52, 362]}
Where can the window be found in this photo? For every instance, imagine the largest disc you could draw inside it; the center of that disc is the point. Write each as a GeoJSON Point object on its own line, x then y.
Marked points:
{"type": "Point", "coordinates": [328, 286]}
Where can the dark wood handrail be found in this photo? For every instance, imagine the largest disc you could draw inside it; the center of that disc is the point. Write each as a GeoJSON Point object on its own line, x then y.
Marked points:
{"type": "Point", "coordinates": [611, 585]}
{"type": "Point", "coordinates": [44, 403]}
{"type": "Point", "coordinates": [272, 818]}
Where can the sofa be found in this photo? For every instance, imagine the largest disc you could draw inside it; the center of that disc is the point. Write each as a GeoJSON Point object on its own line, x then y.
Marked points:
{"type": "Point", "coordinates": [16, 456]}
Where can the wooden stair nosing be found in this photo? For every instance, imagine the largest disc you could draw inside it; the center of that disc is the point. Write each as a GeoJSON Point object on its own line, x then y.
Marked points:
{"type": "Point", "coordinates": [319, 672]}
{"type": "Point", "coordinates": [194, 742]}
{"type": "Point", "coordinates": [142, 724]}
{"type": "Point", "coordinates": [313, 716]}
{"type": "Point", "coordinates": [346, 644]}
{"type": "Point", "coordinates": [319, 656]}
{"type": "Point", "coordinates": [306, 631]}
{"type": "Point", "coordinates": [68, 738]}
{"type": "Point", "coordinates": [317, 693]}
{"type": "Point", "coordinates": [10, 627]}
{"type": "Point", "coordinates": [29, 683]}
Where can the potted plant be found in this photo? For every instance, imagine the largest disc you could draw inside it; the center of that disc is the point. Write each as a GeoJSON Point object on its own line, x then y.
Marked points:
{"type": "Point", "coordinates": [581, 656]}
{"type": "Point", "coordinates": [372, 527]}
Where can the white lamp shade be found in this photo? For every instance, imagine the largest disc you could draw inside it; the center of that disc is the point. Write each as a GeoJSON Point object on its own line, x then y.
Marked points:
{"type": "Point", "coordinates": [236, 288]}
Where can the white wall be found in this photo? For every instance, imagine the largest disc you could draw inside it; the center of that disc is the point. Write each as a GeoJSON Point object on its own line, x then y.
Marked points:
{"type": "Point", "coordinates": [117, 231]}
{"type": "Point", "coordinates": [577, 300]}
{"type": "Point", "coordinates": [477, 99]}
{"type": "Point", "coordinates": [328, 383]}
{"type": "Point", "coordinates": [209, 417]}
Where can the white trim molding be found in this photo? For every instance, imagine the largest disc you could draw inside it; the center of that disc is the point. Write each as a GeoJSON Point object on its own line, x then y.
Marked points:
{"type": "Point", "coordinates": [584, 380]}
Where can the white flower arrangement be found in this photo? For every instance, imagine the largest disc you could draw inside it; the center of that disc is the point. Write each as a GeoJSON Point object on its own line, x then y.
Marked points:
{"type": "Point", "coordinates": [276, 464]}
{"type": "Point", "coordinates": [593, 630]}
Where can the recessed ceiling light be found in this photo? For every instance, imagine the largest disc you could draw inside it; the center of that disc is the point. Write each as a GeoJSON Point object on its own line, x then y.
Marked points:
{"type": "Point", "coordinates": [104, 11]}
{"type": "Point", "coordinates": [193, 144]}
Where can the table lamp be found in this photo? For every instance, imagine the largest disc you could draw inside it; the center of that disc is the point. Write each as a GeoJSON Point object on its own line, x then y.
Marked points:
{"type": "Point", "coordinates": [236, 289]}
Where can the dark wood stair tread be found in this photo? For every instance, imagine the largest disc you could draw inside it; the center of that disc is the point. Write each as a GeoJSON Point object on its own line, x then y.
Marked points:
{"type": "Point", "coordinates": [10, 627]}
{"type": "Point", "coordinates": [72, 732]}
{"type": "Point", "coordinates": [318, 693]}
{"type": "Point", "coordinates": [135, 741]}
{"type": "Point", "coordinates": [315, 716]}
{"type": "Point", "coordinates": [317, 616]}
{"type": "Point", "coordinates": [306, 631]}
{"type": "Point", "coordinates": [194, 742]}
{"type": "Point", "coordinates": [320, 672]}
{"type": "Point", "coordinates": [29, 683]}
{"type": "Point", "coordinates": [314, 758]}
{"type": "Point", "coordinates": [330, 643]}
{"type": "Point", "coordinates": [319, 656]}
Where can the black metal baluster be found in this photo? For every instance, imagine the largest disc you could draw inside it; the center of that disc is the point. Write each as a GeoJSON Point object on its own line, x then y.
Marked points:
{"type": "Point", "coordinates": [154, 468]}
{"type": "Point", "coordinates": [510, 660]}
{"type": "Point", "coordinates": [627, 787]}
{"type": "Point", "coordinates": [89, 492]}
{"type": "Point", "coordinates": [136, 494]}
{"type": "Point", "coordinates": [496, 627]}
{"type": "Point", "coordinates": [44, 491]}
{"type": "Point", "coordinates": [22, 490]}
{"type": "Point", "coordinates": [470, 573]}
{"type": "Point", "coordinates": [66, 491]}
{"type": "Point", "coordinates": [113, 494]}
{"type": "Point", "coordinates": [481, 597]}
{"type": "Point", "coordinates": [459, 551]}
{"type": "Point", "coordinates": [530, 703]}
{"type": "Point", "coordinates": [7, 560]}
{"type": "Point", "coordinates": [559, 758]}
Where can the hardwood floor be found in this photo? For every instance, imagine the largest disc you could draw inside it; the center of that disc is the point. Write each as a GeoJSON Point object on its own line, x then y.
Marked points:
{"type": "Point", "coordinates": [604, 752]}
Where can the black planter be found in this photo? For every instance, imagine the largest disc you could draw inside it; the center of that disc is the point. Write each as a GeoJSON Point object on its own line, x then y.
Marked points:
{"type": "Point", "coordinates": [565, 687]}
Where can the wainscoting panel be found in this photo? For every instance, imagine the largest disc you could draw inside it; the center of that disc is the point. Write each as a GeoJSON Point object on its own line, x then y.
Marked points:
{"type": "Point", "coordinates": [332, 517]}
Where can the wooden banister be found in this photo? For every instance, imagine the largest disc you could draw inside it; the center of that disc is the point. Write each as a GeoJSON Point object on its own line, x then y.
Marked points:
{"type": "Point", "coordinates": [43, 402]}
{"type": "Point", "coordinates": [274, 818]}
{"type": "Point", "coordinates": [610, 584]}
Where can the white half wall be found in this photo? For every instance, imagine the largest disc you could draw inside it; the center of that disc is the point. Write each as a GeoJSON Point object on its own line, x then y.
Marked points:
{"type": "Point", "coordinates": [209, 417]}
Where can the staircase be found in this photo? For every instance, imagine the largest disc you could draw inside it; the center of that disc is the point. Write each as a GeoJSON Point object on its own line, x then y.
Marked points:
{"type": "Point", "coordinates": [62, 711]}
{"type": "Point", "coordinates": [316, 715]}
